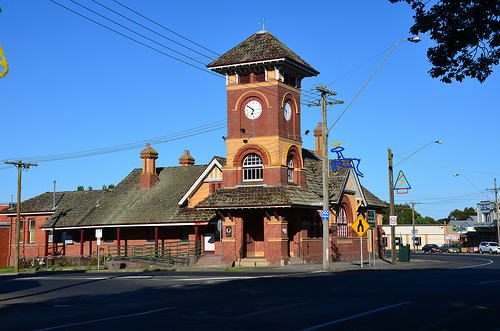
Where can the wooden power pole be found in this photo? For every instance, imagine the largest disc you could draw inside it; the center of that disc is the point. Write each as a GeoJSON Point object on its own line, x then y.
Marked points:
{"type": "Point", "coordinates": [20, 167]}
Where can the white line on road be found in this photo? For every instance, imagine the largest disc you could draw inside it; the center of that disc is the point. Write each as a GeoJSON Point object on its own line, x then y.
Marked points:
{"type": "Point", "coordinates": [106, 319]}
{"type": "Point", "coordinates": [489, 282]}
{"type": "Point", "coordinates": [476, 265]}
{"type": "Point", "coordinates": [355, 316]}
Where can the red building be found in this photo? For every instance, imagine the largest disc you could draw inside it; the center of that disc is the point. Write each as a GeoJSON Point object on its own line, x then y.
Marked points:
{"type": "Point", "coordinates": [267, 191]}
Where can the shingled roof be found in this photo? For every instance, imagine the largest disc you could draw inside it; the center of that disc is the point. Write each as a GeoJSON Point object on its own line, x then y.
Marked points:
{"type": "Point", "coordinates": [287, 196]}
{"type": "Point", "coordinates": [128, 204]}
{"type": "Point", "coordinates": [259, 47]}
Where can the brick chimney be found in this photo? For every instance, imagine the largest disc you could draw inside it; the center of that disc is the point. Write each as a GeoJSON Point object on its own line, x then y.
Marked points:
{"type": "Point", "coordinates": [318, 134]}
{"type": "Point", "coordinates": [186, 159]}
{"type": "Point", "coordinates": [148, 175]}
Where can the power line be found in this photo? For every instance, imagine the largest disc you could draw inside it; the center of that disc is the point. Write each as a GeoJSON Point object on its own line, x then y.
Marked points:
{"type": "Point", "coordinates": [135, 40]}
{"type": "Point", "coordinates": [118, 148]}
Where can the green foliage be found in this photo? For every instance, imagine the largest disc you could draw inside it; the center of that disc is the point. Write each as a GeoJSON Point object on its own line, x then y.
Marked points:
{"type": "Point", "coordinates": [404, 214]}
{"type": "Point", "coordinates": [109, 187]}
{"type": "Point", "coordinates": [467, 34]}
{"type": "Point", "coordinates": [459, 215]}
{"type": "Point", "coordinates": [80, 188]}
{"type": "Point", "coordinates": [90, 188]}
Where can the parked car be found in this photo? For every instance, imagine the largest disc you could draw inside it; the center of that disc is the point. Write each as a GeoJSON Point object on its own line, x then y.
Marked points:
{"type": "Point", "coordinates": [449, 249]}
{"type": "Point", "coordinates": [431, 248]}
{"type": "Point", "coordinates": [490, 247]}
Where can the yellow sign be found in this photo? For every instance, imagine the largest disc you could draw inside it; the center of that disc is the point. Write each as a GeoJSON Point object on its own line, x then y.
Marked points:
{"type": "Point", "coordinates": [360, 226]}
{"type": "Point", "coordinates": [3, 63]}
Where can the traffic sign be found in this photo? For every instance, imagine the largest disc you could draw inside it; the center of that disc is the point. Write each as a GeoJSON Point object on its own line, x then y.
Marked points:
{"type": "Point", "coordinates": [325, 215]}
{"type": "Point", "coordinates": [371, 218]}
{"type": "Point", "coordinates": [360, 226]}
{"type": "Point", "coordinates": [393, 220]}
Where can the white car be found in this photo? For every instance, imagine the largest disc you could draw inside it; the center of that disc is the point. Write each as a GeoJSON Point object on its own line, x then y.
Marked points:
{"type": "Point", "coordinates": [490, 247]}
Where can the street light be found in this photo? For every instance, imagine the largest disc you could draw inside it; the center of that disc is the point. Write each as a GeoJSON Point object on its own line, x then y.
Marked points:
{"type": "Point", "coordinates": [391, 197]}
{"type": "Point", "coordinates": [325, 132]}
{"type": "Point", "coordinates": [488, 199]}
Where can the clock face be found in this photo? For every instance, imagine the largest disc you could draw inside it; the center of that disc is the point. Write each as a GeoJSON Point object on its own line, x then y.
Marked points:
{"type": "Point", "coordinates": [287, 111]}
{"type": "Point", "coordinates": [253, 109]}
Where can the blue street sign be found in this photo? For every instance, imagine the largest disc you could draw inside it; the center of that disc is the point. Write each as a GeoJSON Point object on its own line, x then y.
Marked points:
{"type": "Point", "coordinates": [325, 215]}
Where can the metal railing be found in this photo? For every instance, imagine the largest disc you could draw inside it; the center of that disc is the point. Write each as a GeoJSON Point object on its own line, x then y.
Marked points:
{"type": "Point", "coordinates": [178, 252]}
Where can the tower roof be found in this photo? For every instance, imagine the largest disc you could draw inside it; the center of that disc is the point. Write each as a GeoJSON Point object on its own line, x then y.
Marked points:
{"type": "Point", "coordinates": [260, 47]}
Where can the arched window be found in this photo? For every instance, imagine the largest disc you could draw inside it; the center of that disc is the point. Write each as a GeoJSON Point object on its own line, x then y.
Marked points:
{"type": "Point", "coordinates": [342, 229]}
{"type": "Point", "coordinates": [252, 168]}
{"type": "Point", "coordinates": [290, 168]}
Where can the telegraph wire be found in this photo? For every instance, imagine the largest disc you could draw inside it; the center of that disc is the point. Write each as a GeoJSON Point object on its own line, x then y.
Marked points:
{"type": "Point", "coordinates": [118, 148]}
{"type": "Point", "coordinates": [135, 12]}
{"type": "Point", "coordinates": [159, 34]}
{"type": "Point", "coordinates": [130, 38]}
{"type": "Point", "coordinates": [137, 33]}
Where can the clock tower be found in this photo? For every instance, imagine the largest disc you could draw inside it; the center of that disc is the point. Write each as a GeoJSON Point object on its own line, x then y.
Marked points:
{"type": "Point", "coordinates": [264, 144]}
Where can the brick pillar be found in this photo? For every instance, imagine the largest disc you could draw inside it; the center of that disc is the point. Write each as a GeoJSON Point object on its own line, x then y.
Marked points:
{"type": "Point", "coordinates": [82, 240]}
{"type": "Point", "coordinates": [276, 240]}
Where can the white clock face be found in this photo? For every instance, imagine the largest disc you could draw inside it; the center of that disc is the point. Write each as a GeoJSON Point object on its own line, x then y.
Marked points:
{"type": "Point", "coordinates": [287, 111]}
{"type": "Point", "coordinates": [253, 109]}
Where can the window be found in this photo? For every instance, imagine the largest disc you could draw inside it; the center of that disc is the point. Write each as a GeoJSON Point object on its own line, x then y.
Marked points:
{"type": "Point", "coordinates": [32, 225]}
{"type": "Point", "coordinates": [252, 168]}
{"type": "Point", "coordinates": [342, 229]}
{"type": "Point", "coordinates": [151, 234]}
{"type": "Point", "coordinates": [244, 79]}
{"type": "Point", "coordinates": [21, 231]}
{"type": "Point", "coordinates": [259, 77]}
{"type": "Point", "coordinates": [109, 234]}
{"type": "Point", "coordinates": [290, 169]}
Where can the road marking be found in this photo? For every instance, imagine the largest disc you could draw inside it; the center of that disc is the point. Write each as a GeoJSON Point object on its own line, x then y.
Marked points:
{"type": "Point", "coordinates": [489, 282]}
{"type": "Point", "coordinates": [269, 310]}
{"type": "Point", "coordinates": [355, 316]}
{"type": "Point", "coordinates": [476, 265]}
{"type": "Point", "coordinates": [106, 319]}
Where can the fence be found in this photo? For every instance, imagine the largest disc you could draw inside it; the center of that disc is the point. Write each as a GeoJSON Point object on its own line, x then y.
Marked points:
{"type": "Point", "coordinates": [178, 252]}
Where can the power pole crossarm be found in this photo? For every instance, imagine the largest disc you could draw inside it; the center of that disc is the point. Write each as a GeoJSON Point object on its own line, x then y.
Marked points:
{"type": "Point", "coordinates": [20, 167]}
{"type": "Point", "coordinates": [326, 194]}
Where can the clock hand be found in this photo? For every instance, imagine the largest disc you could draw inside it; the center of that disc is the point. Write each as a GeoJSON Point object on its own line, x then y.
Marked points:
{"type": "Point", "coordinates": [251, 109]}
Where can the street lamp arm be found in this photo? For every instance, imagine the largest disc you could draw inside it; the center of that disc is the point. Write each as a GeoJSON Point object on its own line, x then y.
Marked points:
{"type": "Point", "coordinates": [487, 197]}
{"type": "Point", "coordinates": [412, 39]}
{"type": "Point", "coordinates": [432, 142]}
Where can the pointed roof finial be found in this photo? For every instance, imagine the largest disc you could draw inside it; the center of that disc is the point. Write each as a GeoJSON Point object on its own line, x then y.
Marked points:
{"type": "Point", "coordinates": [263, 22]}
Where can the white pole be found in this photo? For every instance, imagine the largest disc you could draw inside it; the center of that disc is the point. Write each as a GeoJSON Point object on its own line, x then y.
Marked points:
{"type": "Point", "coordinates": [361, 242]}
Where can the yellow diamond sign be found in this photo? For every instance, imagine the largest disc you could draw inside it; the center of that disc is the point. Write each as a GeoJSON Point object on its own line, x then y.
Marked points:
{"type": "Point", "coordinates": [360, 226]}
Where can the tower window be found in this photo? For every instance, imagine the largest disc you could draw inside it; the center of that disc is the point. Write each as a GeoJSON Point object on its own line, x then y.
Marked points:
{"type": "Point", "coordinates": [244, 78]}
{"type": "Point", "coordinates": [252, 168]}
{"type": "Point", "coordinates": [259, 77]}
{"type": "Point", "coordinates": [290, 169]}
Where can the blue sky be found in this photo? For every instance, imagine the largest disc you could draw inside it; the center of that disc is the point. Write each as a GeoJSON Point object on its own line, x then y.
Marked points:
{"type": "Point", "coordinates": [75, 86]}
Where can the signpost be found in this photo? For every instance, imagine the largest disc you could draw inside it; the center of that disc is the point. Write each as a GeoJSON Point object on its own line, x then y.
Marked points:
{"type": "Point", "coordinates": [98, 235]}
{"type": "Point", "coordinates": [371, 218]}
{"type": "Point", "coordinates": [360, 226]}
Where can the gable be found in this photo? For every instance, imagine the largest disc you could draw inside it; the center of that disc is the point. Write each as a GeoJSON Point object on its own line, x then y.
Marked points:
{"type": "Point", "coordinates": [200, 188]}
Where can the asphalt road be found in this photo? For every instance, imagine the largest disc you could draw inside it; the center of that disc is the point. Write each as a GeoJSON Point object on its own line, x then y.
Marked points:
{"type": "Point", "coordinates": [432, 292]}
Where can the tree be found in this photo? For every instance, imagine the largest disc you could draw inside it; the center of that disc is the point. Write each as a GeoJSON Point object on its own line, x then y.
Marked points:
{"type": "Point", "coordinates": [459, 215]}
{"type": "Point", "coordinates": [403, 212]}
{"type": "Point", "coordinates": [467, 33]}
{"type": "Point", "coordinates": [80, 188]}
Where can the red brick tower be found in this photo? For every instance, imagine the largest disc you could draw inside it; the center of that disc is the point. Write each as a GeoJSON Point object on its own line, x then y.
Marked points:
{"type": "Point", "coordinates": [264, 144]}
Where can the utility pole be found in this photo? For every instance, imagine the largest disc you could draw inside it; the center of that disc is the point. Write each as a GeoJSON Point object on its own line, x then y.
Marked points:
{"type": "Point", "coordinates": [391, 208]}
{"type": "Point", "coordinates": [413, 221]}
{"type": "Point", "coordinates": [20, 167]}
{"type": "Point", "coordinates": [497, 208]}
{"type": "Point", "coordinates": [326, 195]}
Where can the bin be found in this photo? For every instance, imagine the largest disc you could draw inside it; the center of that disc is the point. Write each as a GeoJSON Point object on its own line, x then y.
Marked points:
{"type": "Point", "coordinates": [404, 253]}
